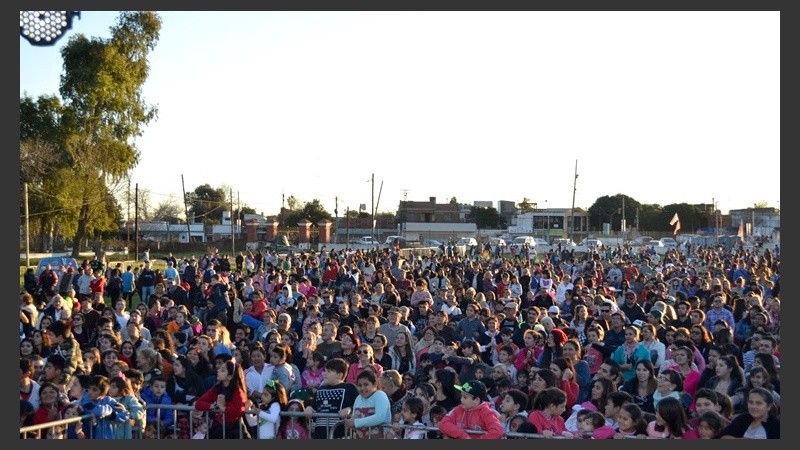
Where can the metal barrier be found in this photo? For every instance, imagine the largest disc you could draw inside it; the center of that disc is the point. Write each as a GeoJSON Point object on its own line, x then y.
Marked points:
{"type": "Point", "coordinates": [157, 431]}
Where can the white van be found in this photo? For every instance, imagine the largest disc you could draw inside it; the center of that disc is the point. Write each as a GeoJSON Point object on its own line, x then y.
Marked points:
{"type": "Point", "coordinates": [467, 241]}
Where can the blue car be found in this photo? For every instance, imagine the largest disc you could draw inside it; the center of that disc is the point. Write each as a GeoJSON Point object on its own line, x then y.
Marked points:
{"type": "Point", "coordinates": [58, 263]}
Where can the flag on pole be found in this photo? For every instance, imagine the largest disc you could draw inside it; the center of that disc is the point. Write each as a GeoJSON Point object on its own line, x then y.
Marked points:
{"type": "Point", "coordinates": [740, 233]}
{"type": "Point", "coordinates": [677, 222]}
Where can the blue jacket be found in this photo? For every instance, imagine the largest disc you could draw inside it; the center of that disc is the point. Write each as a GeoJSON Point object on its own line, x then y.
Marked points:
{"type": "Point", "coordinates": [102, 427]}
{"type": "Point", "coordinates": [153, 413]}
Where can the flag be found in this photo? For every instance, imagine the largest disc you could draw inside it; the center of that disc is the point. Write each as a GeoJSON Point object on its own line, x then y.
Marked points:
{"type": "Point", "coordinates": [740, 233]}
{"type": "Point", "coordinates": [677, 222]}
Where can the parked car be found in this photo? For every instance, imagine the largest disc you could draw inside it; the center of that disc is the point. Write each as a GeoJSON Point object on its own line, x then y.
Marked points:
{"type": "Point", "coordinates": [589, 245]}
{"type": "Point", "coordinates": [404, 242]}
{"type": "Point", "coordinates": [58, 263]}
{"type": "Point", "coordinates": [669, 242]}
{"type": "Point", "coordinates": [467, 241]}
{"type": "Point", "coordinates": [431, 243]}
{"type": "Point", "coordinates": [566, 244]}
{"type": "Point", "coordinates": [365, 240]}
{"type": "Point", "coordinates": [658, 246]}
{"type": "Point", "coordinates": [520, 241]}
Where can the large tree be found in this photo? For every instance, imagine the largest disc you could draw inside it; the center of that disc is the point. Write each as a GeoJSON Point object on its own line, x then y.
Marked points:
{"type": "Point", "coordinates": [486, 218]}
{"type": "Point", "coordinates": [206, 203]}
{"type": "Point", "coordinates": [103, 112]}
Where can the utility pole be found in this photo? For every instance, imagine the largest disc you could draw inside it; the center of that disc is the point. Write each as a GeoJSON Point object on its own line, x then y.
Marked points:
{"type": "Point", "coordinates": [572, 211]}
{"type": "Point", "coordinates": [233, 244]}
{"type": "Point", "coordinates": [136, 222]}
{"type": "Point", "coordinates": [336, 220]}
{"type": "Point", "coordinates": [623, 227]}
{"type": "Point", "coordinates": [347, 222]}
{"type": "Point", "coordinates": [186, 211]}
{"type": "Point", "coordinates": [239, 215]}
{"type": "Point", "coordinates": [128, 217]}
{"type": "Point", "coordinates": [27, 231]}
{"type": "Point", "coordinates": [372, 233]}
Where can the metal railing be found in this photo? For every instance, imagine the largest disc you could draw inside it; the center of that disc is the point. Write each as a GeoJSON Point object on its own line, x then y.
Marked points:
{"type": "Point", "coordinates": [196, 424]}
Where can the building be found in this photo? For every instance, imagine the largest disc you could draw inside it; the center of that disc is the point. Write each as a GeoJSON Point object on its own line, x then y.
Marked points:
{"type": "Point", "coordinates": [758, 221]}
{"type": "Point", "coordinates": [551, 223]}
{"type": "Point", "coordinates": [430, 220]}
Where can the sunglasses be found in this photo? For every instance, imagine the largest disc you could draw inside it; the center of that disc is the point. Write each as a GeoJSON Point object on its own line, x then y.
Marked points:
{"type": "Point", "coordinates": [363, 352]}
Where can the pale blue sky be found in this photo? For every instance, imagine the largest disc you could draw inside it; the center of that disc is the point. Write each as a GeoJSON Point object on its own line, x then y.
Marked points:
{"type": "Point", "coordinates": [664, 107]}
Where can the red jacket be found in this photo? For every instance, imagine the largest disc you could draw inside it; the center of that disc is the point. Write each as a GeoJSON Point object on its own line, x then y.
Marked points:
{"type": "Point", "coordinates": [234, 408]}
{"type": "Point", "coordinates": [457, 421]}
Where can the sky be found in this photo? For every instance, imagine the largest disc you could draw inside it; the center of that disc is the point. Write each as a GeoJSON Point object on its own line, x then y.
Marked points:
{"type": "Point", "coordinates": [664, 107]}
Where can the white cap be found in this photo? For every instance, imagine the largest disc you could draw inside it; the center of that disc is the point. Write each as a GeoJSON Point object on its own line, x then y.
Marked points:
{"type": "Point", "coordinates": [553, 309]}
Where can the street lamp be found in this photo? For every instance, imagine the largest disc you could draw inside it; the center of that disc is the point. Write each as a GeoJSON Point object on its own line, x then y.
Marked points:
{"type": "Point", "coordinates": [44, 28]}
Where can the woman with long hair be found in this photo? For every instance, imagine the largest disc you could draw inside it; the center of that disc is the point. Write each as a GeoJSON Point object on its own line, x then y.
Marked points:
{"type": "Point", "coordinates": [41, 343]}
{"type": "Point", "coordinates": [642, 386]}
{"type": "Point", "coordinates": [565, 373]}
{"type": "Point", "coordinates": [572, 352]}
{"type": "Point", "coordinates": [682, 363]}
{"type": "Point", "coordinates": [540, 380]}
{"type": "Point", "coordinates": [760, 421]}
{"type": "Point", "coordinates": [729, 377]}
{"type": "Point", "coordinates": [598, 399]}
{"type": "Point", "coordinates": [350, 342]}
{"type": "Point", "coordinates": [758, 377]}
{"type": "Point", "coordinates": [701, 338]}
{"type": "Point", "coordinates": [768, 363]}
{"type": "Point", "coordinates": [226, 401]}
{"type": "Point", "coordinates": [447, 396]}
{"type": "Point", "coordinates": [671, 422]}
{"type": "Point", "coordinates": [379, 351]}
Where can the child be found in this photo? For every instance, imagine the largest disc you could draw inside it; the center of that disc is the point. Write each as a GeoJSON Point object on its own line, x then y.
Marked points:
{"type": "Point", "coordinates": [107, 412]}
{"type": "Point", "coordinates": [294, 427]}
{"type": "Point", "coordinates": [121, 391]}
{"type": "Point", "coordinates": [548, 406]}
{"type": "Point", "coordinates": [156, 394]}
{"type": "Point", "coordinates": [313, 374]}
{"type": "Point", "coordinates": [671, 421]}
{"type": "Point", "coordinates": [473, 413]}
{"type": "Point", "coordinates": [630, 420]}
{"type": "Point", "coordinates": [273, 401]}
{"type": "Point", "coordinates": [512, 408]}
{"type": "Point", "coordinates": [201, 430]}
{"type": "Point", "coordinates": [333, 396]}
{"type": "Point", "coordinates": [710, 424]}
{"type": "Point", "coordinates": [593, 426]}
{"type": "Point", "coordinates": [413, 409]}
{"type": "Point", "coordinates": [436, 414]}
{"type": "Point", "coordinates": [74, 431]}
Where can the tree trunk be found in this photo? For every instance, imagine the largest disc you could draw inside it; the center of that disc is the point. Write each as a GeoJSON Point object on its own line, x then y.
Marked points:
{"type": "Point", "coordinates": [81, 231]}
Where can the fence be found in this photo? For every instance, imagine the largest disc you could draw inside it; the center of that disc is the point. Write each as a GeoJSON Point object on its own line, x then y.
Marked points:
{"type": "Point", "coordinates": [58, 429]}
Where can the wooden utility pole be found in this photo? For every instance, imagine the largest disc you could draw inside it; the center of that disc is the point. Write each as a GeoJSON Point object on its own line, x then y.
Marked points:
{"type": "Point", "coordinates": [27, 232]}
{"type": "Point", "coordinates": [233, 244]}
{"type": "Point", "coordinates": [572, 211]}
{"type": "Point", "coordinates": [186, 211]}
{"type": "Point", "coordinates": [136, 222]}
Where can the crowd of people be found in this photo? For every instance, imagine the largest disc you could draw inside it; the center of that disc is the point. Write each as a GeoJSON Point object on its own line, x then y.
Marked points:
{"type": "Point", "coordinates": [611, 344]}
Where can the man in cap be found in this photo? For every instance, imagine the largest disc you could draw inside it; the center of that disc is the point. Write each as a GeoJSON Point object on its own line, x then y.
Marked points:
{"type": "Point", "coordinates": [474, 414]}
{"type": "Point", "coordinates": [632, 309]}
{"type": "Point", "coordinates": [554, 313]}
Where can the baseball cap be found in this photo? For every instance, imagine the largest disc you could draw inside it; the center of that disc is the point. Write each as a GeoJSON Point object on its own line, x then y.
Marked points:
{"type": "Point", "coordinates": [474, 388]}
{"type": "Point", "coordinates": [553, 309]}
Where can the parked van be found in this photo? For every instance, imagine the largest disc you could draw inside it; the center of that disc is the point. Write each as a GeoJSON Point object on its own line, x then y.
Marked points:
{"type": "Point", "coordinates": [467, 241]}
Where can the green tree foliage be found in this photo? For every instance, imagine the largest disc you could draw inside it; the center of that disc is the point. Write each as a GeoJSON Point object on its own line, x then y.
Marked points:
{"type": "Point", "coordinates": [525, 206]}
{"type": "Point", "coordinates": [486, 218]}
{"type": "Point", "coordinates": [103, 111]}
{"type": "Point", "coordinates": [608, 209]}
{"type": "Point", "coordinates": [312, 211]}
{"type": "Point", "coordinates": [206, 204]}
